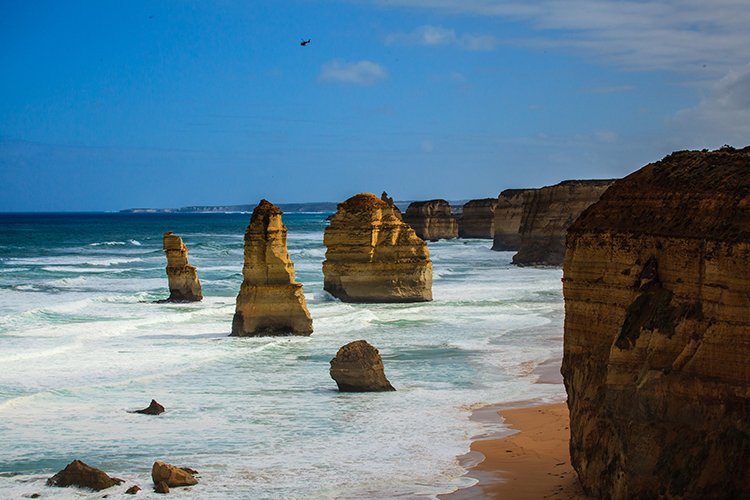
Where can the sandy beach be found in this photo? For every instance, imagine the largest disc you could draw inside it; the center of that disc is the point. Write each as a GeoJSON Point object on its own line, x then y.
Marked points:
{"type": "Point", "coordinates": [533, 463]}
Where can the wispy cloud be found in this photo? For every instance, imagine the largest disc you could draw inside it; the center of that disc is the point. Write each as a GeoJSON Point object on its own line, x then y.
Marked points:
{"type": "Point", "coordinates": [358, 73]}
{"type": "Point", "coordinates": [433, 36]}
{"type": "Point", "coordinates": [723, 115]}
{"type": "Point", "coordinates": [682, 35]}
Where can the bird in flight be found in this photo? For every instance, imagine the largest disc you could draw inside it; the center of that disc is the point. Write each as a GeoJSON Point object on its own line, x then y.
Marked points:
{"type": "Point", "coordinates": [305, 42]}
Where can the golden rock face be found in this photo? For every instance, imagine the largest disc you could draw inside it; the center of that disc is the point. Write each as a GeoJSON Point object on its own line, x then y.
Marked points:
{"type": "Point", "coordinates": [507, 221]}
{"type": "Point", "coordinates": [373, 256]}
{"type": "Point", "coordinates": [184, 285]}
{"type": "Point", "coordinates": [547, 214]}
{"type": "Point", "coordinates": [478, 219]}
{"type": "Point", "coordinates": [358, 367]}
{"type": "Point", "coordinates": [432, 220]}
{"type": "Point", "coordinates": [657, 331]}
{"type": "Point", "coordinates": [270, 302]}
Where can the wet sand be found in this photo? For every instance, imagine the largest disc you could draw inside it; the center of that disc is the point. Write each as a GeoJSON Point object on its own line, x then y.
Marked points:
{"type": "Point", "coordinates": [533, 463]}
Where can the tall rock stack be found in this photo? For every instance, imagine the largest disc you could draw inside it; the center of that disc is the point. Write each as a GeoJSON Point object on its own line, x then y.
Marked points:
{"type": "Point", "coordinates": [507, 224]}
{"type": "Point", "coordinates": [547, 214]}
{"type": "Point", "coordinates": [373, 256]}
{"type": "Point", "coordinates": [184, 285]}
{"type": "Point", "coordinates": [270, 302]}
{"type": "Point", "coordinates": [478, 219]}
{"type": "Point", "coordinates": [431, 220]}
{"type": "Point", "coordinates": [657, 331]}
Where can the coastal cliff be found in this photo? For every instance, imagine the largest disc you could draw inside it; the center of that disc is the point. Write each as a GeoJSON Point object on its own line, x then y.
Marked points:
{"type": "Point", "coordinates": [507, 223]}
{"type": "Point", "coordinates": [547, 214]}
{"type": "Point", "coordinates": [478, 219]}
{"type": "Point", "coordinates": [657, 331]}
{"type": "Point", "coordinates": [184, 285]}
{"type": "Point", "coordinates": [432, 220]}
{"type": "Point", "coordinates": [373, 256]}
{"type": "Point", "coordinates": [270, 302]}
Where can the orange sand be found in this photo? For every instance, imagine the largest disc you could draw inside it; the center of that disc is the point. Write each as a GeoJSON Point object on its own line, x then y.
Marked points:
{"type": "Point", "coordinates": [531, 464]}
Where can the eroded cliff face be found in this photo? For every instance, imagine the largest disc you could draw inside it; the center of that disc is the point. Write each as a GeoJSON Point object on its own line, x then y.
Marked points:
{"type": "Point", "coordinates": [547, 214]}
{"type": "Point", "coordinates": [432, 220]}
{"type": "Point", "coordinates": [184, 285]}
{"type": "Point", "coordinates": [507, 223]}
{"type": "Point", "coordinates": [478, 219]}
{"type": "Point", "coordinates": [657, 331]}
{"type": "Point", "coordinates": [270, 302]}
{"type": "Point", "coordinates": [373, 256]}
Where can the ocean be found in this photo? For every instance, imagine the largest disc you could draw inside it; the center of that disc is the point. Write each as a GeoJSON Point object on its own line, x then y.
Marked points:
{"type": "Point", "coordinates": [82, 342]}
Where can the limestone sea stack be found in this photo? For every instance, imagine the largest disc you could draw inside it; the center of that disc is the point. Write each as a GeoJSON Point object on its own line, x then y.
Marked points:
{"type": "Point", "coordinates": [507, 223]}
{"type": "Point", "coordinates": [270, 301]}
{"type": "Point", "coordinates": [431, 220]}
{"type": "Point", "coordinates": [184, 285]}
{"type": "Point", "coordinates": [657, 331]}
{"type": "Point", "coordinates": [478, 219]}
{"type": "Point", "coordinates": [547, 214]}
{"type": "Point", "coordinates": [358, 367]}
{"type": "Point", "coordinates": [373, 256]}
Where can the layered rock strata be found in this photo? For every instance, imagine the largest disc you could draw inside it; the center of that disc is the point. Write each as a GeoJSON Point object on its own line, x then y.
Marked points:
{"type": "Point", "coordinates": [373, 256]}
{"type": "Point", "coordinates": [184, 285]}
{"type": "Point", "coordinates": [478, 219]}
{"type": "Point", "coordinates": [431, 220]}
{"type": "Point", "coordinates": [358, 367]}
{"type": "Point", "coordinates": [657, 331]}
{"type": "Point", "coordinates": [270, 301]}
{"type": "Point", "coordinates": [547, 214]}
{"type": "Point", "coordinates": [507, 222]}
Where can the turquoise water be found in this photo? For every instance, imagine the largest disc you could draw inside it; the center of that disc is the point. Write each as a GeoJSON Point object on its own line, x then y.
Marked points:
{"type": "Point", "coordinates": [81, 342]}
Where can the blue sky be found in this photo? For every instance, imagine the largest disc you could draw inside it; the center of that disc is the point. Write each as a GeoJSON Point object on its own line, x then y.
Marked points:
{"type": "Point", "coordinates": [107, 105]}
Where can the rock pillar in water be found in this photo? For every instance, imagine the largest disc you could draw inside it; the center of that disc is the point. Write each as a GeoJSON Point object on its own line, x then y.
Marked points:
{"type": "Point", "coordinates": [184, 285]}
{"type": "Point", "coordinates": [507, 225]}
{"type": "Point", "coordinates": [373, 256]}
{"type": "Point", "coordinates": [432, 220]}
{"type": "Point", "coordinates": [657, 331]}
{"type": "Point", "coordinates": [270, 302]}
{"type": "Point", "coordinates": [358, 367]}
{"type": "Point", "coordinates": [478, 219]}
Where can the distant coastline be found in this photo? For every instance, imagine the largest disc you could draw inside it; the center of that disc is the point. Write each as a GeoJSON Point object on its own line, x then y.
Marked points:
{"type": "Point", "coordinates": [319, 206]}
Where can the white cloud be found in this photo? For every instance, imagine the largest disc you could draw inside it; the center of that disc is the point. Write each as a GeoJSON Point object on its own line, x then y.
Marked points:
{"type": "Point", "coordinates": [358, 73]}
{"type": "Point", "coordinates": [696, 36]}
{"type": "Point", "coordinates": [433, 36]}
{"type": "Point", "coordinates": [723, 115]}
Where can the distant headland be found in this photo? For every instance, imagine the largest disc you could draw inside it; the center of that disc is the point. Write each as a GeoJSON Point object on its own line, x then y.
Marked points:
{"type": "Point", "coordinates": [316, 206]}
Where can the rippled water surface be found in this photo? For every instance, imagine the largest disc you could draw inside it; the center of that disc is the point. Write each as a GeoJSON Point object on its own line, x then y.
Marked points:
{"type": "Point", "coordinates": [81, 342]}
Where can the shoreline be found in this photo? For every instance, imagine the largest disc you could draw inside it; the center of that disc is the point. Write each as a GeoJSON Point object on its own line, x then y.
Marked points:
{"type": "Point", "coordinates": [531, 463]}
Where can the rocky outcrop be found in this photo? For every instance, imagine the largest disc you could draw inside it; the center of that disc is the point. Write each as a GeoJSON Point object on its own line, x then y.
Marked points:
{"type": "Point", "coordinates": [358, 367]}
{"type": "Point", "coordinates": [507, 223]}
{"type": "Point", "coordinates": [373, 256]}
{"type": "Point", "coordinates": [153, 409]}
{"type": "Point", "coordinates": [478, 219]}
{"type": "Point", "coordinates": [657, 331]}
{"type": "Point", "coordinates": [184, 285]}
{"type": "Point", "coordinates": [431, 220]}
{"type": "Point", "coordinates": [547, 214]}
{"type": "Point", "coordinates": [172, 476]}
{"type": "Point", "coordinates": [77, 473]}
{"type": "Point", "coordinates": [270, 302]}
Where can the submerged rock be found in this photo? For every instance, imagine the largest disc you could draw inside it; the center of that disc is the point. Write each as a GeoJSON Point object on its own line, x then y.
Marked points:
{"type": "Point", "coordinates": [373, 256]}
{"type": "Point", "coordinates": [478, 219]}
{"type": "Point", "coordinates": [507, 223]}
{"type": "Point", "coordinates": [358, 367]}
{"type": "Point", "coordinates": [153, 409]}
{"type": "Point", "coordinates": [172, 476]}
{"type": "Point", "coordinates": [657, 331]}
{"type": "Point", "coordinates": [270, 302]}
{"type": "Point", "coordinates": [184, 285]}
{"type": "Point", "coordinates": [77, 473]}
{"type": "Point", "coordinates": [432, 220]}
{"type": "Point", "coordinates": [547, 214]}
{"type": "Point", "coordinates": [133, 490]}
